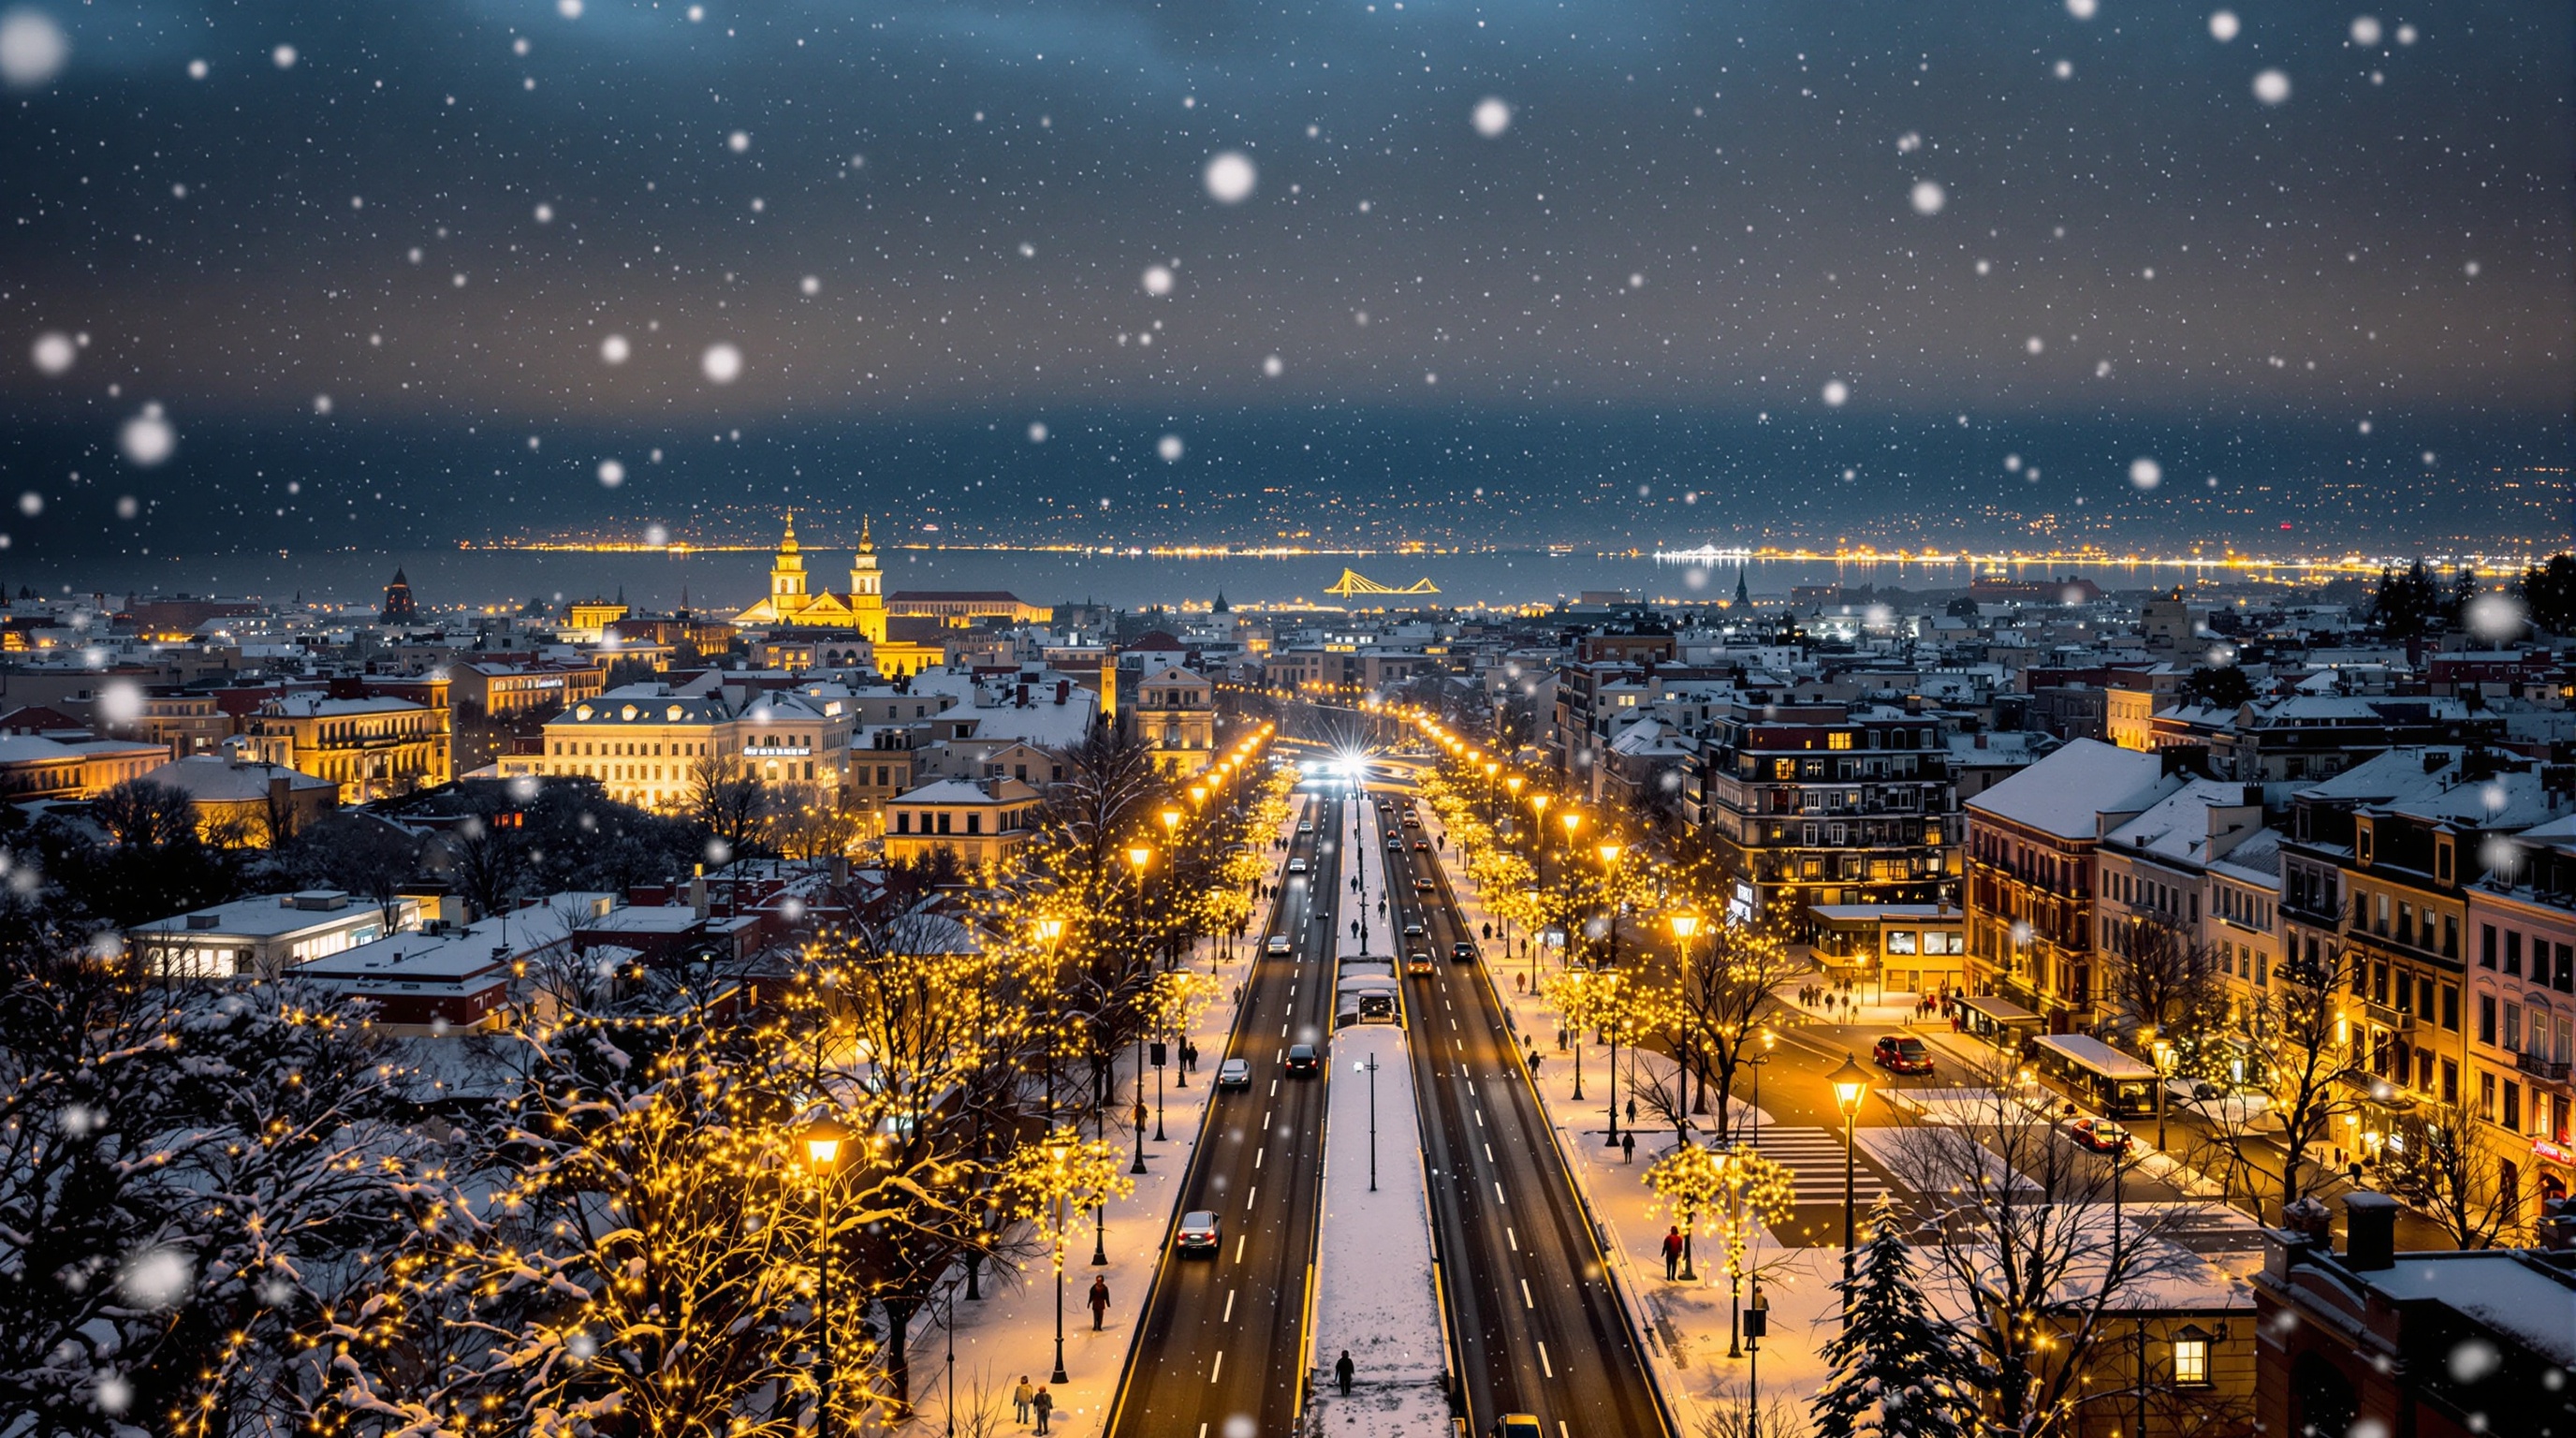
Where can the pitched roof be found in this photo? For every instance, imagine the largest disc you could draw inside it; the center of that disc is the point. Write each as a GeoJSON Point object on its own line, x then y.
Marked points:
{"type": "Point", "coordinates": [2063, 793]}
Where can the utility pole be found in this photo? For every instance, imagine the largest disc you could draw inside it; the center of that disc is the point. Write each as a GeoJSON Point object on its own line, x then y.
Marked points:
{"type": "Point", "coordinates": [1370, 1068]}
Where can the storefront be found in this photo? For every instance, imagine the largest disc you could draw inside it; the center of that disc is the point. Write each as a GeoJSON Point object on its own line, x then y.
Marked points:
{"type": "Point", "coordinates": [1905, 948]}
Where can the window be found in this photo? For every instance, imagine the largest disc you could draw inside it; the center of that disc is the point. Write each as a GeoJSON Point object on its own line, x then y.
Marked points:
{"type": "Point", "coordinates": [1839, 739]}
{"type": "Point", "coordinates": [2513, 1106]}
{"type": "Point", "coordinates": [2486, 1019]}
{"type": "Point", "coordinates": [1900, 941]}
{"type": "Point", "coordinates": [2191, 1362]}
{"type": "Point", "coordinates": [2486, 946]}
{"type": "Point", "coordinates": [2451, 1007]}
{"type": "Point", "coordinates": [2513, 952]}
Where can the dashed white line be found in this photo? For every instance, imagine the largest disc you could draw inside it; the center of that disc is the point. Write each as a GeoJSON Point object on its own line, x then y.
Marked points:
{"type": "Point", "coordinates": [1240, 1240]}
{"type": "Point", "coordinates": [1498, 1195]}
{"type": "Point", "coordinates": [1489, 1153]}
{"type": "Point", "coordinates": [1248, 1194]}
{"type": "Point", "coordinates": [1229, 1302]}
{"type": "Point", "coordinates": [1544, 1365]}
{"type": "Point", "coordinates": [1219, 1365]}
{"type": "Point", "coordinates": [1257, 1153]}
{"type": "Point", "coordinates": [1526, 1300]}
{"type": "Point", "coordinates": [1512, 1238]}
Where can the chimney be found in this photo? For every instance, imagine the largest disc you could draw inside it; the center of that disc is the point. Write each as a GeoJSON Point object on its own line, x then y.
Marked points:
{"type": "Point", "coordinates": [281, 791]}
{"type": "Point", "coordinates": [698, 891]}
{"type": "Point", "coordinates": [1981, 738]}
{"type": "Point", "coordinates": [2370, 1232]}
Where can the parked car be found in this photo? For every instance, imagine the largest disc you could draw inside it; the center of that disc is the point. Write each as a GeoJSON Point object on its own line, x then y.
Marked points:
{"type": "Point", "coordinates": [1200, 1232]}
{"type": "Point", "coordinates": [2099, 1134]}
{"type": "Point", "coordinates": [1296, 866]}
{"type": "Point", "coordinates": [1462, 952]}
{"type": "Point", "coordinates": [1301, 1059]}
{"type": "Point", "coordinates": [1234, 1073]}
{"type": "Point", "coordinates": [1901, 1053]}
{"type": "Point", "coordinates": [1275, 944]}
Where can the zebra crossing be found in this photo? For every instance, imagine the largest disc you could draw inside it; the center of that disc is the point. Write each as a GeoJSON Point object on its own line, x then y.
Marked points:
{"type": "Point", "coordinates": [1814, 1157]}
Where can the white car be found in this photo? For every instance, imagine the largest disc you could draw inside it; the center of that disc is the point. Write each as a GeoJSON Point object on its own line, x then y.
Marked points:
{"type": "Point", "coordinates": [1277, 944]}
{"type": "Point", "coordinates": [1305, 826]}
{"type": "Point", "coordinates": [1296, 866]}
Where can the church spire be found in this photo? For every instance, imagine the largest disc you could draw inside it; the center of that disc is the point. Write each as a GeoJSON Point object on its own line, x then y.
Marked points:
{"type": "Point", "coordinates": [788, 545]}
{"type": "Point", "coordinates": [867, 541]}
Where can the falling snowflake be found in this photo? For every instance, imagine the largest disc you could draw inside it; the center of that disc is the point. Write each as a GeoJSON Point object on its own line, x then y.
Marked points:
{"type": "Point", "coordinates": [1229, 177]}
{"type": "Point", "coordinates": [722, 363]}
{"type": "Point", "coordinates": [611, 473]}
{"type": "Point", "coordinates": [1836, 392]}
{"type": "Point", "coordinates": [1929, 197]}
{"type": "Point", "coordinates": [2145, 473]}
{"type": "Point", "coordinates": [1491, 117]}
{"type": "Point", "coordinates": [1274, 366]}
{"type": "Point", "coordinates": [283, 57]}
{"type": "Point", "coordinates": [2223, 25]}
{"type": "Point", "coordinates": [1158, 280]}
{"type": "Point", "coordinates": [53, 353]}
{"type": "Point", "coordinates": [614, 349]}
{"type": "Point", "coordinates": [738, 141]}
{"type": "Point", "coordinates": [157, 1279]}
{"type": "Point", "coordinates": [1037, 433]}
{"type": "Point", "coordinates": [1170, 448]}
{"type": "Point", "coordinates": [2272, 87]}
{"type": "Point", "coordinates": [33, 48]}
{"type": "Point", "coordinates": [147, 439]}
{"type": "Point", "coordinates": [2365, 31]}
{"type": "Point", "coordinates": [2495, 617]}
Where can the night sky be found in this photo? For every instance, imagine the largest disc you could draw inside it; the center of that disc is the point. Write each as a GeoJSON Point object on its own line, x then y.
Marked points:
{"type": "Point", "coordinates": [432, 264]}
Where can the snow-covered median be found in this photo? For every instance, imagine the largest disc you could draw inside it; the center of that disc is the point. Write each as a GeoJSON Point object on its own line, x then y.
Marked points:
{"type": "Point", "coordinates": [1374, 1293]}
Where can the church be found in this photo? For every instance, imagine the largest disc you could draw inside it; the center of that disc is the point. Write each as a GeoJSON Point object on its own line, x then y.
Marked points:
{"type": "Point", "coordinates": [861, 610]}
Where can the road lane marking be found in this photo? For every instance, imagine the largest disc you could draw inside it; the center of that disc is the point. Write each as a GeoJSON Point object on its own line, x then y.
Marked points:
{"type": "Point", "coordinates": [1489, 1153]}
{"type": "Point", "coordinates": [1512, 1238]}
{"type": "Point", "coordinates": [1257, 1153]}
{"type": "Point", "coordinates": [1229, 1303]}
{"type": "Point", "coordinates": [1219, 1366]}
{"type": "Point", "coordinates": [1248, 1193]}
{"type": "Point", "coordinates": [1544, 1365]}
{"type": "Point", "coordinates": [1526, 1300]}
{"type": "Point", "coordinates": [1240, 1239]}
{"type": "Point", "coordinates": [1283, 1031]}
{"type": "Point", "coordinates": [1498, 1194]}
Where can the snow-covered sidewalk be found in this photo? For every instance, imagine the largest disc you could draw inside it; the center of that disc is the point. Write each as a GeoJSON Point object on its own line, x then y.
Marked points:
{"type": "Point", "coordinates": [1010, 1333]}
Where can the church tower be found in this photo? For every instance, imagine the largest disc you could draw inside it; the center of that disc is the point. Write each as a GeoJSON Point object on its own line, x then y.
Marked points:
{"type": "Point", "coordinates": [787, 574]}
{"type": "Point", "coordinates": [867, 588]}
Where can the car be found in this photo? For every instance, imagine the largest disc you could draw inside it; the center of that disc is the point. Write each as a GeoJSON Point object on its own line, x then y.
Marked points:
{"type": "Point", "coordinates": [1423, 844]}
{"type": "Point", "coordinates": [1301, 1059]}
{"type": "Point", "coordinates": [1413, 931]}
{"type": "Point", "coordinates": [1422, 886]}
{"type": "Point", "coordinates": [1275, 944]}
{"type": "Point", "coordinates": [1518, 1425]}
{"type": "Point", "coordinates": [1234, 1073]}
{"type": "Point", "coordinates": [1413, 821]}
{"type": "Point", "coordinates": [1462, 952]}
{"type": "Point", "coordinates": [1200, 1232]}
{"type": "Point", "coordinates": [1305, 826]}
{"type": "Point", "coordinates": [1296, 866]}
{"type": "Point", "coordinates": [2099, 1134]}
{"type": "Point", "coordinates": [1395, 842]}
{"type": "Point", "coordinates": [1901, 1053]}
{"type": "Point", "coordinates": [1418, 964]}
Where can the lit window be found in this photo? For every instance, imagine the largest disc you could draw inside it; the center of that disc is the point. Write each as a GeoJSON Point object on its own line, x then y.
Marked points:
{"type": "Point", "coordinates": [2191, 1362]}
{"type": "Point", "coordinates": [1839, 740]}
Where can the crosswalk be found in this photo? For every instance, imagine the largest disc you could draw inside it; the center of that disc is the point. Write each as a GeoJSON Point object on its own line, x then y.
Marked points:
{"type": "Point", "coordinates": [1815, 1160]}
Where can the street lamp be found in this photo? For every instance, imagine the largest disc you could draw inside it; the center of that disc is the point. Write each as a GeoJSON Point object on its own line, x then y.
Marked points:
{"type": "Point", "coordinates": [2164, 1052]}
{"type": "Point", "coordinates": [825, 1137]}
{"type": "Point", "coordinates": [1139, 855]}
{"type": "Point", "coordinates": [1683, 926]}
{"type": "Point", "coordinates": [1048, 931]}
{"type": "Point", "coordinates": [1538, 835]}
{"type": "Point", "coordinates": [1851, 1085]}
{"type": "Point", "coordinates": [1059, 1147]}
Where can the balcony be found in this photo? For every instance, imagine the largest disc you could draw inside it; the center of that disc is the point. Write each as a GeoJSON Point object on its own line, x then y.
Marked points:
{"type": "Point", "coordinates": [2554, 1070]}
{"type": "Point", "coordinates": [2394, 1020]}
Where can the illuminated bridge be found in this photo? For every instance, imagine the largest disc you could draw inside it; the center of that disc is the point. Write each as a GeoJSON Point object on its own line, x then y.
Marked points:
{"type": "Point", "coordinates": [1353, 582]}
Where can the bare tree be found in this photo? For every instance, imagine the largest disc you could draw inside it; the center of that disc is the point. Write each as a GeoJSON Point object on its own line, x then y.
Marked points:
{"type": "Point", "coordinates": [1723, 985]}
{"type": "Point", "coordinates": [2037, 1265]}
{"type": "Point", "coordinates": [2442, 1170]}
{"type": "Point", "coordinates": [485, 860]}
{"type": "Point", "coordinates": [2299, 1049]}
{"type": "Point", "coordinates": [141, 813]}
{"type": "Point", "coordinates": [2166, 982]}
{"type": "Point", "coordinates": [727, 798]}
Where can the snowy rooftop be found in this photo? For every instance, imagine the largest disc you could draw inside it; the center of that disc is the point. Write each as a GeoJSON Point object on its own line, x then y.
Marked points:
{"type": "Point", "coordinates": [2497, 1287]}
{"type": "Point", "coordinates": [2177, 827]}
{"type": "Point", "coordinates": [2063, 793]}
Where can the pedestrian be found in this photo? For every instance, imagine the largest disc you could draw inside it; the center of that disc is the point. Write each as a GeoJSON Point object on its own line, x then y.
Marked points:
{"type": "Point", "coordinates": [1042, 1405]}
{"type": "Point", "coordinates": [1099, 1301]}
{"type": "Point", "coordinates": [1533, 1061]}
{"type": "Point", "coordinates": [1343, 1370]}
{"type": "Point", "coordinates": [1189, 1057]}
{"type": "Point", "coordinates": [1021, 1395]}
{"type": "Point", "coordinates": [1672, 1264]}
{"type": "Point", "coordinates": [1628, 1146]}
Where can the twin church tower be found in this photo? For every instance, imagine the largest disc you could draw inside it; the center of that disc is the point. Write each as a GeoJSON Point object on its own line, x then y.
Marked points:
{"type": "Point", "coordinates": [862, 609]}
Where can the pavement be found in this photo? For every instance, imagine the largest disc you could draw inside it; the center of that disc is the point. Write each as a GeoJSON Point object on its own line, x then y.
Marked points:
{"type": "Point", "coordinates": [1010, 1332]}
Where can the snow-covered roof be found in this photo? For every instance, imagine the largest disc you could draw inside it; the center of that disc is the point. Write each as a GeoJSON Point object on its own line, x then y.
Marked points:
{"type": "Point", "coordinates": [2063, 793]}
{"type": "Point", "coordinates": [2176, 827]}
{"type": "Point", "coordinates": [214, 779]}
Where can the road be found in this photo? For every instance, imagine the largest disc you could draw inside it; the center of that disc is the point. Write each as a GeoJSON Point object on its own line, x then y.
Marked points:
{"type": "Point", "coordinates": [1536, 1325]}
{"type": "Point", "coordinates": [1222, 1336]}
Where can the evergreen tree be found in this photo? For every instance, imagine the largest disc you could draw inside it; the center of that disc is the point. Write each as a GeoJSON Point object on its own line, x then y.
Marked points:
{"type": "Point", "coordinates": [1898, 1371]}
{"type": "Point", "coordinates": [2407, 601]}
{"type": "Point", "coordinates": [2549, 593]}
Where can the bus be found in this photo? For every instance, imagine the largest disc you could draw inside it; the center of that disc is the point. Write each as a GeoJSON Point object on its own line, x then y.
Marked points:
{"type": "Point", "coordinates": [2093, 1072]}
{"type": "Point", "coordinates": [1366, 991]}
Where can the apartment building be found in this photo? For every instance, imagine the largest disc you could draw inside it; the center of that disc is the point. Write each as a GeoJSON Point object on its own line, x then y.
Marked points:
{"type": "Point", "coordinates": [1829, 804]}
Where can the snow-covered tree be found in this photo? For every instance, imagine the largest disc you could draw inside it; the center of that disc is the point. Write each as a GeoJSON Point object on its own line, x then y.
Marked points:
{"type": "Point", "coordinates": [1898, 1372]}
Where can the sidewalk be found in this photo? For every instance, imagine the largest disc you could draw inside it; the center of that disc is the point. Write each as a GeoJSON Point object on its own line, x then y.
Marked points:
{"type": "Point", "coordinates": [1010, 1333]}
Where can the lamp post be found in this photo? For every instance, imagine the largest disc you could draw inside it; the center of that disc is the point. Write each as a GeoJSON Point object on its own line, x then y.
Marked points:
{"type": "Point", "coordinates": [1048, 932]}
{"type": "Point", "coordinates": [1851, 1085]}
{"type": "Point", "coordinates": [1059, 1155]}
{"type": "Point", "coordinates": [1139, 855]}
{"type": "Point", "coordinates": [1683, 926]}
{"type": "Point", "coordinates": [2164, 1053]}
{"type": "Point", "coordinates": [1370, 1068]}
{"type": "Point", "coordinates": [1757, 1061]}
{"type": "Point", "coordinates": [1538, 836]}
{"type": "Point", "coordinates": [824, 1139]}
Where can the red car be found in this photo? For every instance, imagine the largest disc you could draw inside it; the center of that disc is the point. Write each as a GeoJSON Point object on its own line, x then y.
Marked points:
{"type": "Point", "coordinates": [1901, 1053]}
{"type": "Point", "coordinates": [2098, 1134]}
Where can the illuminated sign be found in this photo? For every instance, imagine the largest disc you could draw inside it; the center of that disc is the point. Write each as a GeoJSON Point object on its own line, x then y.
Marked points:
{"type": "Point", "coordinates": [2554, 1152]}
{"type": "Point", "coordinates": [775, 751]}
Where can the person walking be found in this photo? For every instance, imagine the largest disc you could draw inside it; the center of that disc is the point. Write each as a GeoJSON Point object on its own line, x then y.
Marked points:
{"type": "Point", "coordinates": [1628, 1145]}
{"type": "Point", "coordinates": [1099, 1301]}
{"type": "Point", "coordinates": [1343, 1370]}
{"type": "Point", "coordinates": [1672, 1264]}
{"type": "Point", "coordinates": [1042, 1405]}
{"type": "Point", "coordinates": [1021, 1395]}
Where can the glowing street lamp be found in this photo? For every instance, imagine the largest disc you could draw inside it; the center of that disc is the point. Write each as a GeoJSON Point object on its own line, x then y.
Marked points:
{"type": "Point", "coordinates": [824, 1139]}
{"type": "Point", "coordinates": [1850, 1085]}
